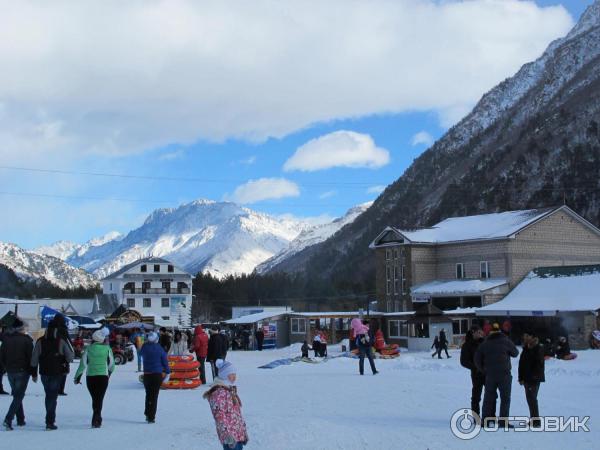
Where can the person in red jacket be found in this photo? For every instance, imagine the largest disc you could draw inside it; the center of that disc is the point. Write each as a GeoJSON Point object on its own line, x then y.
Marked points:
{"type": "Point", "coordinates": [200, 347]}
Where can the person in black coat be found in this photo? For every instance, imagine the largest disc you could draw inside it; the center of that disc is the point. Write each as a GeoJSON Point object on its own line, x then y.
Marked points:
{"type": "Point", "coordinates": [260, 338]}
{"type": "Point", "coordinates": [562, 348]}
{"type": "Point", "coordinates": [443, 344]}
{"type": "Point", "coordinates": [473, 340]}
{"type": "Point", "coordinates": [59, 323]}
{"type": "Point", "coordinates": [531, 374]}
{"type": "Point", "coordinates": [493, 359]}
{"type": "Point", "coordinates": [435, 346]}
{"type": "Point", "coordinates": [15, 356]}
{"type": "Point", "coordinates": [2, 391]}
{"type": "Point", "coordinates": [215, 350]}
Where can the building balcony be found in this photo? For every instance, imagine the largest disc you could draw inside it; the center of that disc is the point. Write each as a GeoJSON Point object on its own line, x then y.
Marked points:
{"type": "Point", "coordinates": [161, 291]}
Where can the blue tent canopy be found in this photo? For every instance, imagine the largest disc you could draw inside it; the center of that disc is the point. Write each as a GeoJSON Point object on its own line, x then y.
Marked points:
{"type": "Point", "coordinates": [48, 314]}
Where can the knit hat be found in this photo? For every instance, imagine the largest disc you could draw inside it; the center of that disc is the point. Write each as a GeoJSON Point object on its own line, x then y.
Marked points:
{"type": "Point", "coordinates": [496, 327]}
{"type": "Point", "coordinates": [18, 324]}
{"type": "Point", "coordinates": [153, 337]}
{"type": "Point", "coordinates": [225, 369]}
{"type": "Point", "coordinates": [98, 336]}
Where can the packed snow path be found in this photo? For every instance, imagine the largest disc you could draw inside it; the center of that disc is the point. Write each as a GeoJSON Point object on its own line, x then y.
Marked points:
{"type": "Point", "coordinates": [315, 406]}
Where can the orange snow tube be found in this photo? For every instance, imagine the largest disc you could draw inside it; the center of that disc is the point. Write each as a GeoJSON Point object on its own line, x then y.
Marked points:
{"type": "Point", "coordinates": [185, 358]}
{"type": "Point", "coordinates": [185, 374]}
{"type": "Point", "coordinates": [183, 366]}
{"type": "Point", "coordinates": [182, 384]}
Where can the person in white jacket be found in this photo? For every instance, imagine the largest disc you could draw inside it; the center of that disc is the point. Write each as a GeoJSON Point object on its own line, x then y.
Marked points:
{"type": "Point", "coordinates": [179, 347]}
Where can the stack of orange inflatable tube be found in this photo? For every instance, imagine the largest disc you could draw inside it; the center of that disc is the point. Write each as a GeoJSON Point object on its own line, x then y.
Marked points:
{"type": "Point", "coordinates": [184, 373]}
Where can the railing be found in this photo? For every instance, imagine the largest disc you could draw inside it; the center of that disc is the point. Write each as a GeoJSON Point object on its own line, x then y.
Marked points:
{"type": "Point", "coordinates": [157, 291]}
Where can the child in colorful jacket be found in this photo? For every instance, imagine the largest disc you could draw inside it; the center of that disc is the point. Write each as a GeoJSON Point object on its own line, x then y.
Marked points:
{"type": "Point", "coordinates": [226, 408]}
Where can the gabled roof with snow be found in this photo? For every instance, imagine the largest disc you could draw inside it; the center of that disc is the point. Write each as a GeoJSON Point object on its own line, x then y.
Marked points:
{"type": "Point", "coordinates": [548, 290]}
{"type": "Point", "coordinates": [502, 225]}
{"type": "Point", "coordinates": [128, 267]}
{"type": "Point", "coordinates": [442, 288]}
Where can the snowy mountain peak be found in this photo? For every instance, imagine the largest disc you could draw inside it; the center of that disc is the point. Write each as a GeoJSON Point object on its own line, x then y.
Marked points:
{"type": "Point", "coordinates": [312, 236]}
{"type": "Point", "coordinates": [35, 267]}
{"type": "Point", "coordinates": [589, 19]}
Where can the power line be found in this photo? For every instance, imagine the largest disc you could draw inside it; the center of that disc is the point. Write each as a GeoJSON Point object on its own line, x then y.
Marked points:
{"type": "Point", "coordinates": [163, 178]}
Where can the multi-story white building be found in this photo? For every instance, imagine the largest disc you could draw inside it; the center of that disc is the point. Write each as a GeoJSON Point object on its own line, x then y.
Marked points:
{"type": "Point", "coordinates": [153, 286]}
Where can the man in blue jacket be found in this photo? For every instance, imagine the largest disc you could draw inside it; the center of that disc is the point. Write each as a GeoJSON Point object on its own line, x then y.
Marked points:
{"type": "Point", "coordinates": [156, 372]}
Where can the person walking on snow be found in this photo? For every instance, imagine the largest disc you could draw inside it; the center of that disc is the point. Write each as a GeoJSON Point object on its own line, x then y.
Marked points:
{"type": "Point", "coordinates": [137, 339]}
{"type": "Point", "coordinates": [52, 353]}
{"type": "Point", "coordinates": [363, 342]}
{"type": "Point", "coordinates": [443, 344]}
{"type": "Point", "coordinates": [493, 359]}
{"type": "Point", "coordinates": [531, 374]}
{"type": "Point", "coordinates": [436, 346]}
{"type": "Point", "coordinates": [200, 347]}
{"type": "Point", "coordinates": [317, 344]}
{"type": "Point", "coordinates": [15, 356]}
{"type": "Point", "coordinates": [60, 324]}
{"type": "Point", "coordinates": [473, 340]}
{"type": "Point", "coordinates": [226, 407]}
{"type": "Point", "coordinates": [260, 338]}
{"type": "Point", "coordinates": [215, 350]}
{"type": "Point", "coordinates": [98, 363]}
{"type": "Point", "coordinates": [156, 372]}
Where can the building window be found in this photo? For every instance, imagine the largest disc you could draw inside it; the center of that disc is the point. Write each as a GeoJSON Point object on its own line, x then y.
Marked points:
{"type": "Point", "coordinates": [147, 303]}
{"type": "Point", "coordinates": [460, 271]}
{"type": "Point", "coordinates": [165, 303]}
{"type": "Point", "coordinates": [395, 253]}
{"type": "Point", "coordinates": [388, 254]}
{"type": "Point", "coordinates": [170, 268]}
{"type": "Point", "coordinates": [144, 268]}
{"type": "Point", "coordinates": [157, 267]}
{"type": "Point", "coordinates": [397, 329]}
{"type": "Point", "coordinates": [298, 325]}
{"type": "Point", "coordinates": [396, 305]}
{"type": "Point", "coordinates": [388, 306]}
{"type": "Point", "coordinates": [166, 318]}
{"type": "Point", "coordinates": [403, 273]}
{"type": "Point", "coordinates": [388, 278]}
{"type": "Point", "coordinates": [460, 326]}
{"type": "Point", "coordinates": [485, 269]}
{"type": "Point", "coordinates": [145, 286]}
{"type": "Point", "coordinates": [111, 287]}
{"type": "Point", "coordinates": [131, 302]}
{"type": "Point", "coordinates": [396, 281]}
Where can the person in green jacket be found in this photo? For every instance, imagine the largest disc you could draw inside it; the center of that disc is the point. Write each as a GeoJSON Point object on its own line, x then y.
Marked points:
{"type": "Point", "coordinates": [98, 363]}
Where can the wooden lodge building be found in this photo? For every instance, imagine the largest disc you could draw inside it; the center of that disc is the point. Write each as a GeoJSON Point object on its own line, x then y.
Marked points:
{"type": "Point", "coordinates": [439, 277]}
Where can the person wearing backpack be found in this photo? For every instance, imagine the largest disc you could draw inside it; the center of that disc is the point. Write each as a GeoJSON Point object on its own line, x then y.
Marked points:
{"type": "Point", "coordinates": [98, 363]}
{"type": "Point", "coordinates": [363, 342]}
{"type": "Point", "coordinates": [473, 339]}
{"type": "Point", "coordinates": [52, 354]}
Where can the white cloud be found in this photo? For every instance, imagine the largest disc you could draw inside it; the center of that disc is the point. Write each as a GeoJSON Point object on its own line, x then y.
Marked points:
{"type": "Point", "coordinates": [327, 194]}
{"type": "Point", "coordinates": [422, 138]}
{"type": "Point", "coordinates": [170, 156]}
{"type": "Point", "coordinates": [117, 77]}
{"type": "Point", "coordinates": [376, 189]}
{"type": "Point", "coordinates": [338, 149]}
{"type": "Point", "coordinates": [248, 161]}
{"type": "Point", "coordinates": [264, 189]}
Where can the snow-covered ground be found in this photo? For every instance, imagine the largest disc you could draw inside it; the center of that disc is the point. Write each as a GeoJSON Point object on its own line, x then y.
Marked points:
{"type": "Point", "coordinates": [316, 406]}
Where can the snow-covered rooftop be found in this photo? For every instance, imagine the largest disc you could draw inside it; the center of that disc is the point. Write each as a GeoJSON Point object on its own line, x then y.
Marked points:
{"type": "Point", "coordinates": [253, 318]}
{"type": "Point", "coordinates": [331, 314]}
{"type": "Point", "coordinates": [472, 228]}
{"type": "Point", "coordinates": [438, 288]}
{"type": "Point", "coordinates": [548, 290]}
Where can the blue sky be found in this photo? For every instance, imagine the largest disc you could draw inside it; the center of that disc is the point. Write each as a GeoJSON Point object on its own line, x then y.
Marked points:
{"type": "Point", "coordinates": [355, 102]}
